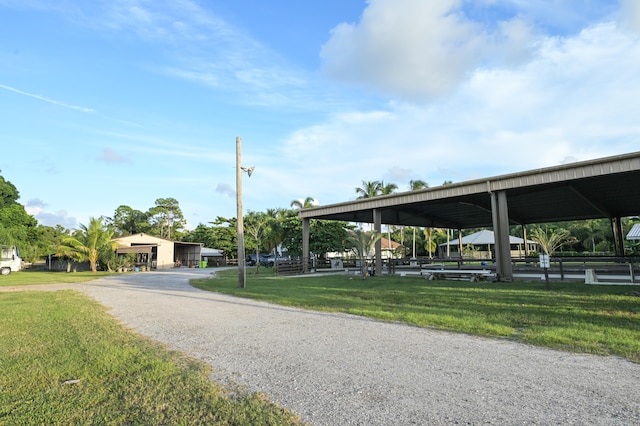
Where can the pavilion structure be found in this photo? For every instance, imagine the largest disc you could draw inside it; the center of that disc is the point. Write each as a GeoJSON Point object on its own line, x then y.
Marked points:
{"type": "Point", "coordinates": [482, 244]}
{"type": "Point", "coordinates": [602, 188]}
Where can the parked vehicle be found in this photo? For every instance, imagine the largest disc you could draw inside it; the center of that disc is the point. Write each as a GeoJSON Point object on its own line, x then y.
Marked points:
{"type": "Point", "coordinates": [271, 259]}
{"type": "Point", "coordinates": [250, 259]}
{"type": "Point", "coordinates": [10, 260]}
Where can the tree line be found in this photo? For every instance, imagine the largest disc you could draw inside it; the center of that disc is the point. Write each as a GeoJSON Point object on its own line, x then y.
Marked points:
{"type": "Point", "coordinates": [272, 231]}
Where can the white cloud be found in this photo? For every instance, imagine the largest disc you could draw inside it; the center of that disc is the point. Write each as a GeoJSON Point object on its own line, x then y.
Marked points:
{"type": "Point", "coordinates": [502, 96]}
{"type": "Point", "coordinates": [197, 46]}
{"type": "Point", "coordinates": [416, 49]}
{"type": "Point", "coordinates": [37, 208]}
{"type": "Point", "coordinates": [207, 50]}
{"type": "Point", "coordinates": [34, 206]}
{"type": "Point", "coordinates": [47, 100]}
{"type": "Point", "coordinates": [226, 189]}
{"type": "Point", "coordinates": [575, 99]}
{"type": "Point", "coordinates": [58, 218]}
{"type": "Point", "coordinates": [110, 156]}
{"type": "Point", "coordinates": [344, 133]}
{"type": "Point", "coordinates": [630, 15]}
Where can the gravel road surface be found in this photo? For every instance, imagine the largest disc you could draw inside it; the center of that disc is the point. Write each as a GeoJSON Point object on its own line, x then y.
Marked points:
{"type": "Point", "coordinates": [337, 369]}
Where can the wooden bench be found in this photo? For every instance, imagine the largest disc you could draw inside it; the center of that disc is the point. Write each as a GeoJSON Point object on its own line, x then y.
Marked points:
{"type": "Point", "coordinates": [472, 275]}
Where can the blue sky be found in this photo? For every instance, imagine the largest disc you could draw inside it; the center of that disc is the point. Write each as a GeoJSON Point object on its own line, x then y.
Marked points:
{"type": "Point", "coordinates": [122, 102]}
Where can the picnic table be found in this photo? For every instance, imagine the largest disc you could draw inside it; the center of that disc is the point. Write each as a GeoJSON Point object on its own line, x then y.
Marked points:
{"type": "Point", "coordinates": [472, 275]}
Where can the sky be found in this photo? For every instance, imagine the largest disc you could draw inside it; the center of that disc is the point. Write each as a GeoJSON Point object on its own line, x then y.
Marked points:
{"type": "Point", "coordinates": [122, 102]}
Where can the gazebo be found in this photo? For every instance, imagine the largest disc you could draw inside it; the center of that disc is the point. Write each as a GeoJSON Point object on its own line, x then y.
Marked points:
{"type": "Point", "coordinates": [481, 245]}
{"type": "Point", "coordinates": [634, 233]}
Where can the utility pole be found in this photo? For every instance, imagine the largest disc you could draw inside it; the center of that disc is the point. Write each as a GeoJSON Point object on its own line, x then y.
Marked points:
{"type": "Point", "coordinates": [241, 260]}
{"type": "Point", "coordinates": [242, 274]}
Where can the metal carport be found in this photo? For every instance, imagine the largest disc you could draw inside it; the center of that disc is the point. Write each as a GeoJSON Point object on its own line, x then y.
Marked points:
{"type": "Point", "coordinates": [603, 188]}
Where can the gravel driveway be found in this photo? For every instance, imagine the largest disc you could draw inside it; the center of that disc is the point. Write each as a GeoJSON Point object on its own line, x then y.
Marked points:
{"type": "Point", "coordinates": [337, 369]}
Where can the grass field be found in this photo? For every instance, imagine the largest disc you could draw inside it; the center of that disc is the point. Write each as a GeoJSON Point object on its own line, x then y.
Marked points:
{"type": "Point", "coordinates": [46, 277]}
{"type": "Point", "coordinates": [574, 317]}
{"type": "Point", "coordinates": [64, 360]}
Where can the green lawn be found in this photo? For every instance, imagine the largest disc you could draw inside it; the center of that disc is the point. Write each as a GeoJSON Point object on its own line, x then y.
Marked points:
{"type": "Point", "coordinates": [47, 277]}
{"type": "Point", "coordinates": [574, 317]}
{"type": "Point", "coordinates": [64, 360]}
{"type": "Point", "coordinates": [117, 377]}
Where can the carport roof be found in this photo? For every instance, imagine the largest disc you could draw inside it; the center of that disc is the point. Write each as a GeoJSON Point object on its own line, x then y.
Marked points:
{"type": "Point", "coordinates": [483, 238]}
{"type": "Point", "coordinates": [634, 233]}
{"type": "Point", "coordinates": [603, 188]}
{"type": "Point", "coordinates": [140, 248]}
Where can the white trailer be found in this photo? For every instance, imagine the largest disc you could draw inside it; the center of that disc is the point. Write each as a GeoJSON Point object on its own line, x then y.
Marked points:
{"type": "Point", "coordinates": [10, 260]}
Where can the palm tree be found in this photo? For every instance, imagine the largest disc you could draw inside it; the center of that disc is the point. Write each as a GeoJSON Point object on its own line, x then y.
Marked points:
{"type": "Point", "coordinates": [549, 242]}
{"type": "Point", "coordinates": [431, 245]}
{"type": "Point", "coordinates": [387, 189]}
{"type": "Point", "coordinates": [307, 203]}
{"type": "Point", "coordinates": [274, 233]}
{"type": "Point", "coordinates": [362, 245]}
{"type": "Point", "coordinates": [415, 185]}
{"type": "Point", "coordinates": [68, 251]}
{"type": "Point", "coordinates": [369, 189]}
{"type": "Point", "coordinates": [89, 243]}
{"type": "Point", "coordinates": [589, 231]}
